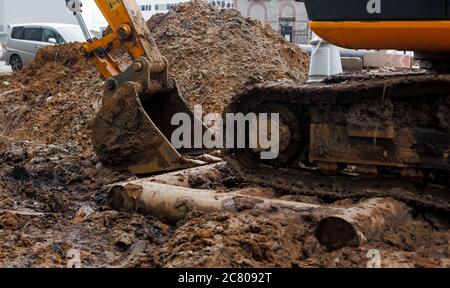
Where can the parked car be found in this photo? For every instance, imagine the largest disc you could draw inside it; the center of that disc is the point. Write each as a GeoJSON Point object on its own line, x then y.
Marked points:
{"type": "Point", "coordinates": [24, 40]}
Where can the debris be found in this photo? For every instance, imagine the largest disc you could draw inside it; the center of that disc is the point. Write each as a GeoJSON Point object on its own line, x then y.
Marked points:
{"type": "Point", "coordinates": [166, 201]}
{"type": "Point", "coordinates": [22, 213]}
{"type": "Point", "coordinates": [83, 214]}
{"type": "Point", "coordinates": [358, 224]}
{"type": "Point", "coordinates": [50, 98]}
{"type": "Point", "coordinates": [9, 221]}
{"type": "Point", "coordinates": [208, 158]}
{"type": "Point", "coordinates": [124, 240]}
{"type": "Point", "coordinates": [186, 178]}
{"type": "Point", "coordinates": [10, 92]}
{"type": "Point", "coordinates": [338, 226]}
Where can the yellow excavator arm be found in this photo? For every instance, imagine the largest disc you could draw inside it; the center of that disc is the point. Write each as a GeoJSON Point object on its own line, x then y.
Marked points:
{"type": "Point", "coordinates": [132, 128]}
{"type": "Point", "coordinates": [129, 31]}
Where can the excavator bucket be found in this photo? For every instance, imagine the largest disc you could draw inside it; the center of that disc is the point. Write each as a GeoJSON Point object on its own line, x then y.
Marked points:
{"type": "Point", "coordinates": [132, 131]}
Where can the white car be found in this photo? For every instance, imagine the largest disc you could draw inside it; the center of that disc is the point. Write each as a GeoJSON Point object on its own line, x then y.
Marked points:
{"type": "Point", "coordinates": [25, 39]}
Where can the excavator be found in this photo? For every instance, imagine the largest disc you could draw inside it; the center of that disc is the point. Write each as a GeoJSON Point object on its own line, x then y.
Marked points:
{"type": "Point", "coordinates": [374, 125]}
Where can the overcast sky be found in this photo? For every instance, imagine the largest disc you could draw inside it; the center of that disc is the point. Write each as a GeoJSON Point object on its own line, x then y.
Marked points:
{"type": "Point", "coordinates": [14, 12]}
{"type": "Point", "coordinates": [93, 17]}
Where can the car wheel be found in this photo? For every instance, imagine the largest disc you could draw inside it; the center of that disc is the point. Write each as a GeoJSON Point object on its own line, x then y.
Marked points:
{"type": "Point", "coordinates": [16, 63]}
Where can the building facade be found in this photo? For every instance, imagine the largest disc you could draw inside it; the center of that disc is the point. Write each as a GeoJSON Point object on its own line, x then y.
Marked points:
{"type": "Point", "coordinates": [223, 4]}
{"type": "Point", "coordinates": [151, 7]}
{"type": "Point", "coordinates": [287, 17]}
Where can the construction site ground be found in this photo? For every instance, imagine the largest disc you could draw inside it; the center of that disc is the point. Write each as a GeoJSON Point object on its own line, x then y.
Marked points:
{"type": "Point", "coordinates": [53, 190]}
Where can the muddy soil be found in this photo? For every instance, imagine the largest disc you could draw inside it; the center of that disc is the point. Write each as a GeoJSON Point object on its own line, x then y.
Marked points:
{"type": "Point", "coordinates": [256, 239]}
{"type": "Point", "coordinates": [52, 201]}
{"type": "Point", "coordinates": [53, 189]}
{"type": "Point", "coordinates": [52, 100]}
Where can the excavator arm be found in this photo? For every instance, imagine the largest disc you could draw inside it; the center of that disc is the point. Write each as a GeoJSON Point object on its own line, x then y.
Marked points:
{"type": "Point", "coordinates": [129, 31]}
{"type": "Point", "coordinates": [132, 128]}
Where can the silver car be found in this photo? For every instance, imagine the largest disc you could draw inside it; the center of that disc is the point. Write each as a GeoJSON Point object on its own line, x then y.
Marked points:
{"type": "Point", "coordinates": [24, 40]}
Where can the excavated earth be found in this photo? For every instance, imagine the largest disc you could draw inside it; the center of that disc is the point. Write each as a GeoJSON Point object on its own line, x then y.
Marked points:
{"type": "Point", "coordinates": [212, 53]}
{"type": "Point", "coordinates": [53, 189]}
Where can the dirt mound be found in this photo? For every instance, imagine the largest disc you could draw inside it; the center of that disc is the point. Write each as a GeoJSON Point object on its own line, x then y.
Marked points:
{"type": "Point", "coordinates": [213, 53]}
{"type": "Point", "coordinates": [67, 55]}
{"type": "Point", "coordinates": [50, 62]}
{"type": "Point", "coordinates": [52, 100]}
